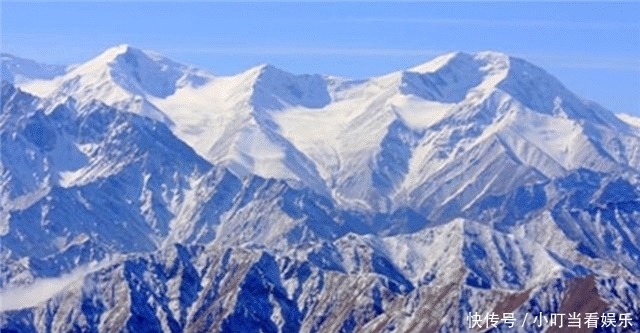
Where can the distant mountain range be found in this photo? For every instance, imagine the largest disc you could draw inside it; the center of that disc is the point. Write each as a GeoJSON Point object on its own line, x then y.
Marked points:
{"type": "Point", "coordinates": [142, 195]}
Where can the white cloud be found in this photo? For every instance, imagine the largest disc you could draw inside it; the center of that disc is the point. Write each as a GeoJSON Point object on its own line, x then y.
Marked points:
{"type": "Point", "coordinates": [44, 289]}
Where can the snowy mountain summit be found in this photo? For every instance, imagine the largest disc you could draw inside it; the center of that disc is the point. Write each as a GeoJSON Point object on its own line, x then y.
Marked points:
{"type": "Point", "coordinates": [139, 193]}
{"type": "Point", "coordinates": [137, 71]}
{"type": "Point", "coordinates": [18, 70]}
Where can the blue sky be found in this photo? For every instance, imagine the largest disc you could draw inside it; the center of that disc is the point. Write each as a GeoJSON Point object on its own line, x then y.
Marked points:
{"type": "Point", "coordinates": [594, 48]}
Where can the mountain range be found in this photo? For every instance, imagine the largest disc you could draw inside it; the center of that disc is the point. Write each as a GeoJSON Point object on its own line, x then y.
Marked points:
{"type": "Point", "coordinates": [141, 194]}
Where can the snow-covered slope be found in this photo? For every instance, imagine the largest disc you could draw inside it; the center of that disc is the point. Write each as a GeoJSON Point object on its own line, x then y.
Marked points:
{"type": "Point", "coordinates": [370, 143]}
{"type": "Point", "coordinates": [629, 119]}
{"type": "Point", "coordinates": [92, 181]}
{"type": "Point", "coordinates": [122, 77]}
{"type": "Point", "coordinates": [470, 183]}
{"type": "Point", "coordinates": [20, 71]}
{"type": "Point", "coordinates": [453, 119]}
{"type": "Point", "coordinates": [351, 285]}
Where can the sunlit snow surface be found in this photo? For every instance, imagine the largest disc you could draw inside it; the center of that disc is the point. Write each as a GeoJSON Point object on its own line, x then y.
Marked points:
{"type": "Point", "coordinates": [137, 192]}
{"type": "Point", "coordinates": [634, 121]}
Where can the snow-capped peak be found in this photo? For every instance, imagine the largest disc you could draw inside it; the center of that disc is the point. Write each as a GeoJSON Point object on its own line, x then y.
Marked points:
{"type": "Point", "coordinates": [471, 78]}
{"type": "Point", "coordinates": [263, 68]}
{"type": "Point", "coordinates": [124, 77]}
{"type": "Point", "coordinates": [112, 53]}
{"type": "Point", "coordinates": [486, 61]}
{"type": "Point", "coordinates": [435, 63]}
{"type": "Point", "coordinates": [477, 171]}
{"type": "Point", "coordinates": [274, 88]}
{"type": "Point", "coordinates": [140, 72]}
{"type": "Point", "coordinates": [451, 77]}
{"type": "Point", "coordinates": [18, 70]}
{"type": "Point", "coordinates": [108, 59]}
{"type": "Point", "coordinates": [318, 129]}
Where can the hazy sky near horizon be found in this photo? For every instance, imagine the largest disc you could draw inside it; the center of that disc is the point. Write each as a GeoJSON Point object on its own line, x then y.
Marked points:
{"type": "Point", "coordinates": [594, 48]}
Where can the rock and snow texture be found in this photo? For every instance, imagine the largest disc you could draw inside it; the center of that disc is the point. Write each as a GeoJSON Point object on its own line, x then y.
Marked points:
{"type": "Point", "coordinates": [19, 71]}
{"type": "Point", "coordinates": [138, 192]}
{"type": "Point", "coordinates": [370, 143]}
